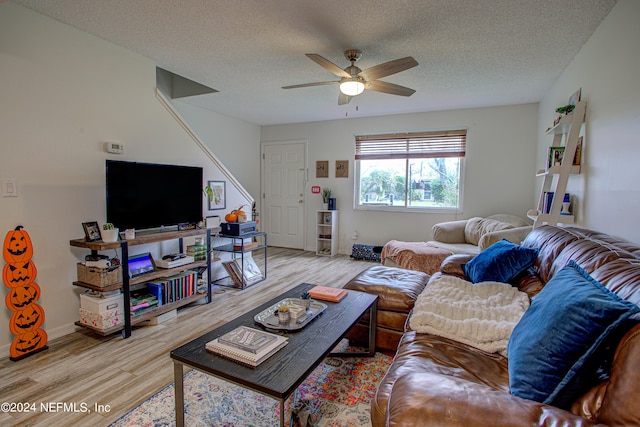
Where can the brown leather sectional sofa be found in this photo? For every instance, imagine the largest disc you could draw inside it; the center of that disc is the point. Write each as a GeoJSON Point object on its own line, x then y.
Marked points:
{"type": "Point", "coordinates": [435, 381]}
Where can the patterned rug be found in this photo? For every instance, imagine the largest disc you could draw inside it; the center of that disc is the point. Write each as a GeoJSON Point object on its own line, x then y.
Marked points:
{"type": "Point", "coordinates": [336, 394]}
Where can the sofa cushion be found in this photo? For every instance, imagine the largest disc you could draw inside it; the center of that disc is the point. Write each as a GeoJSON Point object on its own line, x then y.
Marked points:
{"type": "Point", "coordinates": [500, 262]}
{"type": "Point", "coordinates": [397, 289]}
{"type": "Point", "coordinates": [477, 227]}
{"type": "Point", "coordinates": [557, 347]}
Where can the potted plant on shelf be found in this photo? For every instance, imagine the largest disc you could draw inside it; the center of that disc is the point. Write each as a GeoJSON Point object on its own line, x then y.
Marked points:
{"type": "Point", "coordinates": [109, 233]}
{"type": "Point", "coordinates": [326, 194]}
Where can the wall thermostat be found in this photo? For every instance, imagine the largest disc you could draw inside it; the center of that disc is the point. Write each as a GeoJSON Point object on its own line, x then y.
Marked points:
{"type": "Point", "coordinates": [114, 147]}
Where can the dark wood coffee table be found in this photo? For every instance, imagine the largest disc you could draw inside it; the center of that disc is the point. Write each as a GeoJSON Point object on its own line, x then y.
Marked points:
{"type": "Point", "coordinates": [282, 373]}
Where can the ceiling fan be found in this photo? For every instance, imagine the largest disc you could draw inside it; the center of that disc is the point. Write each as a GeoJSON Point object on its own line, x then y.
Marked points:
{"type": "Point", "coordinates": [353, 81]}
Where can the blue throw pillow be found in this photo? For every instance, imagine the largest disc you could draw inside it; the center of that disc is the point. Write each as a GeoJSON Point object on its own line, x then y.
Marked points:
{"type": "Point", "coordinates": [557, 348]}
{"type": "Point", "coordinates": [500, 262]}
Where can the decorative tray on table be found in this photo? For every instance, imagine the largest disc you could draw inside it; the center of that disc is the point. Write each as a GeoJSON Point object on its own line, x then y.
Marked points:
{"type": "Point", "coordinates": [269, 317]}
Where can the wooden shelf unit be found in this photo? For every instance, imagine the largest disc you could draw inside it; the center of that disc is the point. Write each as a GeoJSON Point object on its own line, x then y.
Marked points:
{"type": "Point", "coordinates": [565, 134]}
{"type": "Point", "coordinates": [131, 284]}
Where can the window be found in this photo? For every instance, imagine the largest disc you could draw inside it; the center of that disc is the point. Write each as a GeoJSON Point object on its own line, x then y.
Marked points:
{"type": "Point", "coordinates": [419, 170]}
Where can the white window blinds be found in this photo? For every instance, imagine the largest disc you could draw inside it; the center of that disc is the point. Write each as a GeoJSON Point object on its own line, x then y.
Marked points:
{"type": "Point", "coordinates": [417, 145]}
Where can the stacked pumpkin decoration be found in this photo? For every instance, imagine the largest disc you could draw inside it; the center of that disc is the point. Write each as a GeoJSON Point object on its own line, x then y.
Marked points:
{"type": "Point", "coordinates": [236, 215]}
{"type": "Point", "coordinates": [19, 276]}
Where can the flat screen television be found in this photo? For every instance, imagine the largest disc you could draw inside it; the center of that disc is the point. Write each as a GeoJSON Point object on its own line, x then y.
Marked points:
{"type": "Point", "coordinates": [148, 195]}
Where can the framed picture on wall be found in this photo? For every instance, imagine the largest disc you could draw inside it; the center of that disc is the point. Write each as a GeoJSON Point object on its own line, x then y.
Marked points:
{"type": "Point", "coordinates": [218, 195]}
{"type": "Point", "coordinates": [322, 169]}
{"type": "Point", "coordinates": [342, 168]}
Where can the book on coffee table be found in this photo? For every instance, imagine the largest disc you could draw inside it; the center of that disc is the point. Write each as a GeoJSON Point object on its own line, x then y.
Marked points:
{"type": "Point", "coordinates": [248, 339]}
{"type": "Point", "coordinates": [263, 350]}
{"type": "Point", "coordinates": [327, 293]}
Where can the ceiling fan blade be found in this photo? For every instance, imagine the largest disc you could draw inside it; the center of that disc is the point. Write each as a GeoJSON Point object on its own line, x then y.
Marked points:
{"type": "Point", "coordinates": [388, 68]}
{"type": "Point", "coordinates": [309, 85]}
{"type": "Point", "coordinates": [343, 99]}
{"type": "Point", "coordinates": [328, 65]}
{"type": "Point", "coordinates": [390, 88]}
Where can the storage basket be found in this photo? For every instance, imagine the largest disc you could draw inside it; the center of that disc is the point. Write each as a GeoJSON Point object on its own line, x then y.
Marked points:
{"type": "Point", "coordinates": [100, 276]}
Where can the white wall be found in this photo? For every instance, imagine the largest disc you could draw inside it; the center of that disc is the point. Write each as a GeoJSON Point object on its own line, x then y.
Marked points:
{"type": "Point", "coordinates": [235, 143]}
{"type": "Point", "coordinates": [500, 153]}
{"type": "Point", "coordinates": [64, 93]}
{"type": "Point", "coordinates": [606, 194]}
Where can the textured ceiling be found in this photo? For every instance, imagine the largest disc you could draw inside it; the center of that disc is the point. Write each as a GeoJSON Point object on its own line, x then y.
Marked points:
{"type": "Point", "coordinates": [471, 52]}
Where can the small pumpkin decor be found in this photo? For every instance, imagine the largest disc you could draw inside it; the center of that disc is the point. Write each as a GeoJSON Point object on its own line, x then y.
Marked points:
{"type": "Point", "coordinates": [19, 276]}
{"type": "Point", "coordinates": [236, 215]}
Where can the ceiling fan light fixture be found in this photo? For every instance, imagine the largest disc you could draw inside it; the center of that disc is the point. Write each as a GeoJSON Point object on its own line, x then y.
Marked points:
{"type": "Point", "coordinates": [352, 87]}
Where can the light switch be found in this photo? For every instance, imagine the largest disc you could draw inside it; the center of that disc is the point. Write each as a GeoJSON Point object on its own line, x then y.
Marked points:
{"type": "Point", "coordinates": [9, 188]}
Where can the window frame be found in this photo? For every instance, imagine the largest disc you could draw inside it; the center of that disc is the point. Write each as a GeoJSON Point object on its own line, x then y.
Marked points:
{"type": "Point", "coordinates": [460, 155]}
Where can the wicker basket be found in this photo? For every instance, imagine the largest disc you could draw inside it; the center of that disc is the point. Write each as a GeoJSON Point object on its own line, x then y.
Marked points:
{"type": "Point", "coordinates": [100, 276]}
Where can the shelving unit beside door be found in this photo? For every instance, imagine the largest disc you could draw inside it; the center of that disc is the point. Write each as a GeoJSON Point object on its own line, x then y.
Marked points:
{"type": "Point", "coordinates": [327, 233]}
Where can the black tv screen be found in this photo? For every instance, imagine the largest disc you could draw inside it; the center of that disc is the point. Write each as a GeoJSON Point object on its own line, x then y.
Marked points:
{"type": "Point", "coordinates": [148, 195]}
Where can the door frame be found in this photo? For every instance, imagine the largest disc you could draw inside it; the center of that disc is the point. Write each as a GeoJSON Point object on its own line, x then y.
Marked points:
{"type": "Point", "coordinates": [305, 142]}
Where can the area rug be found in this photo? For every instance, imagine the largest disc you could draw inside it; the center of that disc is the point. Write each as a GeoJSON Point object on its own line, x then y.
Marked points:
{"type": "Point", "coordinates": [336, 394]}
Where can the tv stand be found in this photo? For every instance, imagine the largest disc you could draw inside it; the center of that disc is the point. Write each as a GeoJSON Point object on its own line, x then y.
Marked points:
{"type": "Point", "coordinates": [129, 284]}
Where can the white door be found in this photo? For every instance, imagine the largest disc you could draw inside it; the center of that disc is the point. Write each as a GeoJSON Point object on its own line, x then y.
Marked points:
{"type": "Point", "coordinates": [283, 178]}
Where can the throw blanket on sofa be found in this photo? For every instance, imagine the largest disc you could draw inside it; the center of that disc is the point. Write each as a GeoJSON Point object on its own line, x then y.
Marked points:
{"type": "Point", "coordinates": [482, 315]}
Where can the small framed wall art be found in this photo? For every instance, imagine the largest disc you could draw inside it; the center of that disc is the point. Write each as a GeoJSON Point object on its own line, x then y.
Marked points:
{"type": "Point", "coordinates": [219, 196]}
{"type": "Point", "coordinates": [342, 168]}
{"type": "Point", "coordinates": [91, 231]}
{"type": "Point", "coordinates": [322, 169]}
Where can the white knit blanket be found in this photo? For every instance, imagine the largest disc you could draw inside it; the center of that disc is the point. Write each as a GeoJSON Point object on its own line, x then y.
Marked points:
{"type": "Point", "coordinates": [482, 315]}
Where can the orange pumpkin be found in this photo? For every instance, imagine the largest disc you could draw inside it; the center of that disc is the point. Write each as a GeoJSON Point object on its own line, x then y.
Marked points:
{"type": "Point", "coordinates": [26, 320]}
{"type": "Point", "coordinates": [20, 297]}
{"type": "Point", "coordinates": [27, 343]}
{"type": "Point", "coordinates": [231, 217]}
{"type": "Point", "coordinates": [17, 246]}
{"type": "Point", "coordinates": [16, 274]}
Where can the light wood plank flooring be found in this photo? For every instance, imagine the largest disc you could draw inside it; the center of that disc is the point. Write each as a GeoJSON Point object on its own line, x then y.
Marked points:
{"type": "Point", "coordinates": [84, 368]}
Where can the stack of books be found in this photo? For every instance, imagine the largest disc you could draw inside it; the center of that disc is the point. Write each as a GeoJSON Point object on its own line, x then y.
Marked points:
{"type": "Point", "coordinates": [198, 252]}
{"type": "Point", "coordinates": [247, 346]}
{"type": "Point", "coordinates": [327, 293]}
{"type": "Point", "coordinates": [141, 302]}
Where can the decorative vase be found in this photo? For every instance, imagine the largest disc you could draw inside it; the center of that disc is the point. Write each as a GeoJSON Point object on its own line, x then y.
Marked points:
{"type": "Point", "coordinates": [325, 206]}
{"type": "Point", "coordinates": [109, 235]}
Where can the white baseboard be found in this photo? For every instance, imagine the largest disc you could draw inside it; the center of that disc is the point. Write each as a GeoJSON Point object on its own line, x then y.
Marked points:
{"type": "Point", "coordinates": [51, 334]}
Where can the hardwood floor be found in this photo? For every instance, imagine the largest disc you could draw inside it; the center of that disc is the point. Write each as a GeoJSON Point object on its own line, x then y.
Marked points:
{"type": "Point", "coordinates": [83, 369]}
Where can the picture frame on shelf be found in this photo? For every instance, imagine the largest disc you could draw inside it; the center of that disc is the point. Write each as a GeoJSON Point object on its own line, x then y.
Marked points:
{"type": "Point", "coordinates": [219, 199]}
{"type": "Point", "coordinates": [556, 155]}
{"type": "Point", "coordinates": [575, 97]}
{"type": "Point", "coordinates": [91, 231]}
